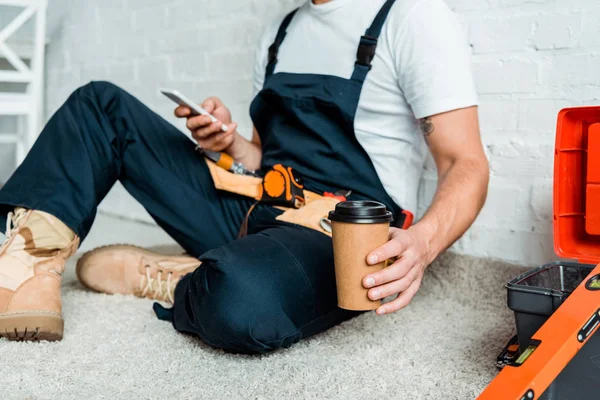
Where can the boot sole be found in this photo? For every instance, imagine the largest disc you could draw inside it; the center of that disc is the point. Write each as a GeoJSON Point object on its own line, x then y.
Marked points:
{"type": "Point", "coordinates": [31, 327]}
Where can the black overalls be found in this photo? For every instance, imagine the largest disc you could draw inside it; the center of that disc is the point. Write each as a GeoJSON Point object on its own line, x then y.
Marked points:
{"type": "Point", "coordinates": [251, 295]}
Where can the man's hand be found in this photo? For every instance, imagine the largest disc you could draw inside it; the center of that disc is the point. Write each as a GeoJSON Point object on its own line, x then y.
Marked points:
{"type": "Point", "coordinates": [404, 276]}
{"type": "Point", "coordinates": [209, 134]}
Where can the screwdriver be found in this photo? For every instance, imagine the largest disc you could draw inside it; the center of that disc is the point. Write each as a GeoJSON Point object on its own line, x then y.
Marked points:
{"type": "Point", "coordinates": [226, 162]}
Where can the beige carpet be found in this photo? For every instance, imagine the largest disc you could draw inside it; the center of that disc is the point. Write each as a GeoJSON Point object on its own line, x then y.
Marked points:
{"type": "Point", "coordinates": [443, 346]}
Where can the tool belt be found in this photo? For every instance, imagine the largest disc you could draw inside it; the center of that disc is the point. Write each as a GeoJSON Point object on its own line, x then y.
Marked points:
{"type": "Point", "coordinates": [285, 191]}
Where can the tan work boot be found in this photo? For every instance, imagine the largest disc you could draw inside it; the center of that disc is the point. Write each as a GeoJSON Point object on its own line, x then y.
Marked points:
{"type": "Point", "coordinates": [32, 260]}
{"type": "Point", "coordinates": [126, 269]}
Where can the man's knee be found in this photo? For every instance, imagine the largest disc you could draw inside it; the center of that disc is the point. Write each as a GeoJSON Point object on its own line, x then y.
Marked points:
{"type": "Point", "coordinates": [240, 317]}
{"type": "Point", "coordinates": [100, 90]}
{"type": "Point", "coordinates": [252, 327]}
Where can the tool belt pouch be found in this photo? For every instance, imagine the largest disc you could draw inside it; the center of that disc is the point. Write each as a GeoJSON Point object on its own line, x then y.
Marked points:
{"type": "Point", "coordinates": [312, 214]}
{"type": "Point", "coordinates": [244, 185]}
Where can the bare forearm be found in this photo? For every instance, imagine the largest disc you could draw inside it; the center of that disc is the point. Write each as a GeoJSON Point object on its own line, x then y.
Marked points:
{"type": "Point", "coordinates": [461, 193]}
{"type": "Point", "coordinates": [247, 152]}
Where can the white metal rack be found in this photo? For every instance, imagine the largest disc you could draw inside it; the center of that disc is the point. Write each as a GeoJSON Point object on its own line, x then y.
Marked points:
{"type": "Point", "coordinates": [24, 62]}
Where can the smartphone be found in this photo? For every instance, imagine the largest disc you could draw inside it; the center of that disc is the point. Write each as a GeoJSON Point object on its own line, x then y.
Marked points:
{"type": "Point", "coordinates": [184, 101]}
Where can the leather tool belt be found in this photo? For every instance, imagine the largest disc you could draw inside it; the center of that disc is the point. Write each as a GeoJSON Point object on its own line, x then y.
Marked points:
{"type": "Point", "coordinates": [300, 206]}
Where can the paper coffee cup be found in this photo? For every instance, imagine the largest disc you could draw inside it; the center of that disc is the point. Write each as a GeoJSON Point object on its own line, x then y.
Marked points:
{"type": "Point", "coordinates": [358, 227]}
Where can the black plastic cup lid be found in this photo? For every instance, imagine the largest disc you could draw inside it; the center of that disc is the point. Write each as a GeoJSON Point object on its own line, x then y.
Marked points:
{"type": "Point", "coordinates": [361, 212]}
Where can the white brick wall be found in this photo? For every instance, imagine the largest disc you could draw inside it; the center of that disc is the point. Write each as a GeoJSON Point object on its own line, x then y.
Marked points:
{"type": "Point", "coordinates": [531, 58]}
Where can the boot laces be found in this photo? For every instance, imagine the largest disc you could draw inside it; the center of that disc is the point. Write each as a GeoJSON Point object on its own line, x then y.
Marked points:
{"type": "Point", "coordinates": [13, 221]}
{"type": "Point", "coordinates": [160, 288]}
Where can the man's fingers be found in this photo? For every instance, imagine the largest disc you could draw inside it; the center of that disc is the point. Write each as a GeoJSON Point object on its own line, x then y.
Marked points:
{"type": "Point", "coordinates": [217, 142]}
{"type": "Point", "coordinates": [402, 300]}
{"type": "Point", "coordinates": [182, 112]}
{"type": "Point", "coordinates": [394, 287]}
{"type": "Point", "coordinates": [199, 122]}
{"type": "Point", "coordinates": [232, 127]}
{"type": "Point", "coordinates": [213, 129]}
{"type": "Point", "coordinates": [205, 133]}
{"type": "Point", "coordinates": [393, 248]}
{"type": "Point", "coordinates": [397, 270]}
{"type": "Point", "coordinates": [210, 104]}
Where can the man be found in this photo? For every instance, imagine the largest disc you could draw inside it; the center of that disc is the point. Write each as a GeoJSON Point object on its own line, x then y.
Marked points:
{"type": "Point", "coordinates": [342, 118]}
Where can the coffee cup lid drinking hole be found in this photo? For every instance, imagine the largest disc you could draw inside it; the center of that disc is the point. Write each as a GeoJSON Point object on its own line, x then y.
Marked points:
{"type": "Point", "coordinates": [361, 212]}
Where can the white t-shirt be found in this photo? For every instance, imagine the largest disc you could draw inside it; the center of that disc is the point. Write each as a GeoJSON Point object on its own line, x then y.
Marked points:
{"type": "Point", "coordinates": [422, 68]}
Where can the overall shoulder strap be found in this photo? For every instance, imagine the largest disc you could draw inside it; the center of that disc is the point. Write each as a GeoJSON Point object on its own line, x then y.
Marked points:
{"type": "Point", "coordinates": [274, 48]}
{"type": "Point", "coordinates": [368, 43]}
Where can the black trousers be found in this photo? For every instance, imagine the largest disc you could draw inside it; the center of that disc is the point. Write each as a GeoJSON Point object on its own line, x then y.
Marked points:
{"type": "Point", "coordinates": [253, 295]}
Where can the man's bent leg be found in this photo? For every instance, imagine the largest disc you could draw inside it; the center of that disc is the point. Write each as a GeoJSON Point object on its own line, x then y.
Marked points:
{"type": "Point", "coordinates": [100, 135]}
{"type": "Point", "coordinates": [260, 293]}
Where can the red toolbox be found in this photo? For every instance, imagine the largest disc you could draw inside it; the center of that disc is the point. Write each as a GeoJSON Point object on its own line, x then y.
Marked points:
{"type": "Point", "coordinates": [577, 185]}
{"type": "Point", "coordinates": [537, 294]}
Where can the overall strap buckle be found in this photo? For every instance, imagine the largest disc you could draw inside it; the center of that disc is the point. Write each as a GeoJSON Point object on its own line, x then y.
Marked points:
{"type": "Point", "coordinates": [368, 44]}
{"type": "Point", "coordinates": [366, 51]}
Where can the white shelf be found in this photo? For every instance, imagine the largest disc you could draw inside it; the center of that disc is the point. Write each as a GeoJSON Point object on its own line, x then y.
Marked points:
{"type": "Point", "coordinates": [8, 138]}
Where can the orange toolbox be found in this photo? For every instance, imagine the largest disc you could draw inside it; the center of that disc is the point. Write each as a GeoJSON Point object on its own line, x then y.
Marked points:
{"type": "Point", "coordinates": [556, 353]}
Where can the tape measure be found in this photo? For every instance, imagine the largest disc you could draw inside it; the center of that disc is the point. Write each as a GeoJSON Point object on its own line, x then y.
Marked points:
{"type": "Point", "coordinates": [280, 186]}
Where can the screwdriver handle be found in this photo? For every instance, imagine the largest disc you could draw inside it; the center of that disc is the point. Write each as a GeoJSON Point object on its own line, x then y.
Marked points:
{"type": "Point", "coordinates": [225, 162]}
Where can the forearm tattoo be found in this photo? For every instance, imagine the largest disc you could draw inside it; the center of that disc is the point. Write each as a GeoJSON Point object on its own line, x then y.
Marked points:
{"type": "Point", "coordinates": [426, 126]}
